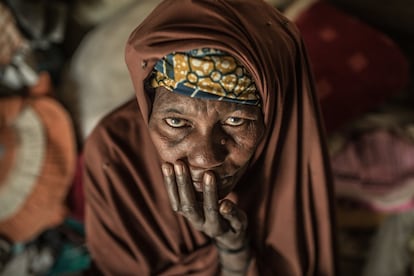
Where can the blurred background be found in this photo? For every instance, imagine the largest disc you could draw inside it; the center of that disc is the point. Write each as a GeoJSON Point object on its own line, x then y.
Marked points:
{"type": "Point", "coordinates": [62, 69]}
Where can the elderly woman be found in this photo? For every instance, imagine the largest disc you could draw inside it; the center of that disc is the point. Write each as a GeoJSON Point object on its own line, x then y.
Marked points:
{"type": "Point", "coordinates": [219, 165]}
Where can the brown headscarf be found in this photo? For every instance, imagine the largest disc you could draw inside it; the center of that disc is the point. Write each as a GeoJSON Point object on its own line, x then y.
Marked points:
{"type": "Point", "coordinates": [286, 193]}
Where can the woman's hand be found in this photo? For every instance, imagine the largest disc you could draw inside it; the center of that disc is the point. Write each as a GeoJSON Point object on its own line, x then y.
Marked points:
{"type": "Point", "coordinates": [222, 221]}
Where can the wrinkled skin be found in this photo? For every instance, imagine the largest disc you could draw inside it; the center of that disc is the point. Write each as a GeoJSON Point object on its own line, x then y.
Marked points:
{"type": "Point", "coordinates": [205, 147]}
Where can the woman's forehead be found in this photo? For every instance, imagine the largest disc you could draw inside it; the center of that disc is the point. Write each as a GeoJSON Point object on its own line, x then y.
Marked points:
{"type": "Point", "coordinates": [167, 101]}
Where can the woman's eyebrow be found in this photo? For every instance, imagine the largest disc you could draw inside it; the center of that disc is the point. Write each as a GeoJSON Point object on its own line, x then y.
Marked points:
{"type": "Point", "coordinates": [172, 110]}
{"type": "Point", "coordinates": [243, 109]}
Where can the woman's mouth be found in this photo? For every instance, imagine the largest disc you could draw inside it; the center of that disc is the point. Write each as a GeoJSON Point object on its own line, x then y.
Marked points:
{"type": "Point", "coordinates": [198, 186]}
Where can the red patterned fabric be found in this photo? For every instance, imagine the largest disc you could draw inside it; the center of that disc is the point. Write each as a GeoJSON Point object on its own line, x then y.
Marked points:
{"type": "Point", "coordinates": [356, 67]}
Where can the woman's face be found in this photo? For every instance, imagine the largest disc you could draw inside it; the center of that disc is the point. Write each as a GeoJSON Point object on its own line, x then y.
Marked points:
{"type": "Point", "coordinates": [207, 135]}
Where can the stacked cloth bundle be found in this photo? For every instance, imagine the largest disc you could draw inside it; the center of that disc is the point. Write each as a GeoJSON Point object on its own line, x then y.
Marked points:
{"type": "Point", "coordinates": [373, 168]}
{"type": "Point", "coordinates": [37, 145]}
{"type": "Point", "coordinates": [37, 157]}
{"type": "Point", "coordinates": [373, 162]}
{"type": "Point", "coordinates": [358, 68]}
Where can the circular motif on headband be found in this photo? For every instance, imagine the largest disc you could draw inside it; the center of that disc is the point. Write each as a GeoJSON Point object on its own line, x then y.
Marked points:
{"type": "Point", "coordinates": [206, 73]}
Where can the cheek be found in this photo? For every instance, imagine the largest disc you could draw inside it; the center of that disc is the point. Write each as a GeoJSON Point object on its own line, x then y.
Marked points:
{"type": "Point", "coordinates": [243, 152]}
{"type": "Point", "coordinates": [166, 152]}
{"type": "Point", "coordinates": [247, 142]}
{"type": "Point", "coordinates": [165, 148]}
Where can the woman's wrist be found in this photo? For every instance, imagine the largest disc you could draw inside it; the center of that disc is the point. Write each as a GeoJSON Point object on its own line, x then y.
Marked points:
{"type": "Point", "coordinates": [235, 264]}
{"type": "Point", "coordinates": [224, 249]}
{"type": "Point", "coordinates": [234, 261]}
{"type": "Point", "coordinates": [230, 271]}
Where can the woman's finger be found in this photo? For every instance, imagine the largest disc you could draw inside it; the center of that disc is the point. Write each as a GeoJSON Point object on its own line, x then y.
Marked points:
{"type": "Point", "coordinates": [236, 218]}
{"type": "Point", "coordinates": [170, 184]}
{"type": "Point", "coordinates": [188, 203]}
{"type": "Point", "coordinates": [210, 204]}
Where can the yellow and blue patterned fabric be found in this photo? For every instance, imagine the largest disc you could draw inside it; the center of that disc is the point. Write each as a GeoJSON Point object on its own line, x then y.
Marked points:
{"type": "Point", "coordinates": [206, 73]}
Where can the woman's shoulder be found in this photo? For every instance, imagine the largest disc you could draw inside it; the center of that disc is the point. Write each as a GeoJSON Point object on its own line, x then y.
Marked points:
{"type": "Point", "coordinates": [121, 116]}
{"type": "Point", "coordinates": [120, 129]}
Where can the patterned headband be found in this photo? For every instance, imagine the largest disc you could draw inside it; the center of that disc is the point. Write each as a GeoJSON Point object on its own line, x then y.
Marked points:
{"type": "Point", "coordinates": [206, 73]}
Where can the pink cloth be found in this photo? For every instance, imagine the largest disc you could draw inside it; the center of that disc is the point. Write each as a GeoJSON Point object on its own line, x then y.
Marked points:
{"type": "Point", "coordinates": [377, 169]}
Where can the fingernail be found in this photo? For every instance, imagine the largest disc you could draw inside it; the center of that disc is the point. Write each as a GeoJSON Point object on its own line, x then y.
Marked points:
{"type": "Point", "coordinates": [178, 169]}
{"type": "Point", "coordinates": [225, 207]}
{"type": "Point", "coordinates": [166, 169]}
{"type": "Point", "coordinates": [208, 179]}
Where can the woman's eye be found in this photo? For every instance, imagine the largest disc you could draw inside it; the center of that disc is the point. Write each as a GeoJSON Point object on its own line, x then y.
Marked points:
{"type": "Point", "coordinates": [176, 122]}
{"type": "Point", "coordinates": [234, 121]}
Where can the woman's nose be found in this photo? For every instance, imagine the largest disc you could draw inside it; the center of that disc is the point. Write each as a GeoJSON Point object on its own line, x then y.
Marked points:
{"type": "Point", "coordinates": [208, 151]}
